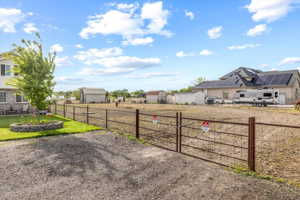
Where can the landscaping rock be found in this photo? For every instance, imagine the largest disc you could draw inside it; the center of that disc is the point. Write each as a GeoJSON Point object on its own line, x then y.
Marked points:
{"type": "Point", "coordinates": [36, 127]}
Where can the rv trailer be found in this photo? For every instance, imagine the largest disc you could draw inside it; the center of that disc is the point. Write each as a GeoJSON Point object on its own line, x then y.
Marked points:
{"type": "Point", "coordinates": [259, 97]}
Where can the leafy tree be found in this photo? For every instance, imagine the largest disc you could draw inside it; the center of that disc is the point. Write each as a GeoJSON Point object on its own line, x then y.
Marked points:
{"type": "Point", "coordinates": [199, 80]}
{"type": "Point", "coordinates": [138, 93]}
{"type": "Point", "coordinates": [76, 94]}
{"type": "Point", "coordinates": [120, 93]}
{"type": "Point", "coordinates": [188, 89]}
{"type": "Point", "coordinates": [34, 70]}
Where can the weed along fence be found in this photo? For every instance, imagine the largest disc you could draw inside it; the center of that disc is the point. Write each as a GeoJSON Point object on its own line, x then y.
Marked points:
{"type": "Point", "coordinates": [246, 144]}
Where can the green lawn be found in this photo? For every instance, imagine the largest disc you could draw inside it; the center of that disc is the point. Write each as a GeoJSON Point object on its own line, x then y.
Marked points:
{"type": "Point", "coordinates": [70, 127]}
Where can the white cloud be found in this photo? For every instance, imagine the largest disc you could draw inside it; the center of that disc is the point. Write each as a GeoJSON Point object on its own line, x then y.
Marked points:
{"type": "Point", "coordinates": [131, 8]}
{"type": "Point", "coordinates": [92, 56]}
{"type": "Point", "coordinates": [79, 46]}
{"type": "Point", "coordinates": [270, 10]}
{"type": "Point", "coordinates": [264, 65]}
{"type": "Point", "coordinates": [130, 25]}
{"type": "Point", "coordinates": [181, 54]}
{"type": "Point", "coordinates": [215, 32]}
{"type": "Point", "coordinates": [56, 48]}
{"type": "Point", "coordinates": [30, 28]}
{"type": "Point", "coordinates": [112, 22]}
{"type": "Point", "coordinates": [138, 41]}
{"type": "Point", "coordinates": [120, 65]}
{"type": "Point", "coordinates": [189, 14]}
{"type": "Point", "coordinates": [244, 46]}
{"type": "Point", "coordinates": [71, 80]}
{"type": "Point", "coordinates": [153, 75]}
{"type": "Point", "coordinates": [257, 30]}
{"type": "Point", "coordinates": [290, 61]}
{"type": "Point", "coordinates": [9, 17]}
{"type": "Point", "coordinates": [205, 52]}
{"type": "Point", "coordinates": [62, 61]}
{"type": "Point", "coordinates": [158, 18]}
{"type": "Point", "coordinates": [128, 62]}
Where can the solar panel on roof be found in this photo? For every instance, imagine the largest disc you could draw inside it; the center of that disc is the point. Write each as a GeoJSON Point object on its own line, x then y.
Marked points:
{"type": "Point", "coordinates": [274, 79]}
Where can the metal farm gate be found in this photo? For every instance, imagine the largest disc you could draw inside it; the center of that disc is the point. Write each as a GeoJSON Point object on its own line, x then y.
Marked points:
{"type": "Point", "coordinates": [220, 142]}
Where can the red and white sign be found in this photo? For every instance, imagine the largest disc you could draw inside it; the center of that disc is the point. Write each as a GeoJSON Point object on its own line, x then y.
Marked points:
{"type": "Point", "coordinates": [205, 126]}
{"type": "Point", "coordinates": [155, 119]}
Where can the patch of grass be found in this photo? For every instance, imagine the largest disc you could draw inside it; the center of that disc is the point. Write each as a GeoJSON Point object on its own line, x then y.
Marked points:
{"type": "Point", "coordinates": [70, 127]}
{"type": "Point", "coordinates": [129, 137]}
{"type": "Point", "coordinates": [245, 172]}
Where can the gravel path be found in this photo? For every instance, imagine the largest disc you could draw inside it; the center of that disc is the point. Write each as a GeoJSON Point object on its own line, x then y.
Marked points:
{"type": "Point", "coordinates": [107, 166]}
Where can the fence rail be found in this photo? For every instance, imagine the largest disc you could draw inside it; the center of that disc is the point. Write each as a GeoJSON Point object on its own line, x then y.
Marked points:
{"type": "Point", "coordinates": [221, 142]}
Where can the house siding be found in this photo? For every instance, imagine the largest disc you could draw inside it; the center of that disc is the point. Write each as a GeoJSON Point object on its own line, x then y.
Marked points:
{"type": "Point", "coordinates": [11, 103]}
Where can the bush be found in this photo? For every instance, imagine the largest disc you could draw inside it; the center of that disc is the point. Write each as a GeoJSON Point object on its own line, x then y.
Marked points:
{"type": "Point", "coordinates": [297, 106]}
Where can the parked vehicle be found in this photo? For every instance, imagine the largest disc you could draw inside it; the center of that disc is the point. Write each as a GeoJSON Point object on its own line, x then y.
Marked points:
{"type": "Point", "coordinates": [260, 97]}
{"type": "Point", "coordinates": [214, 100]}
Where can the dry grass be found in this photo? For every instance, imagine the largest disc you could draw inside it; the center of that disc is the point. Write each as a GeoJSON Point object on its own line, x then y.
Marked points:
{"type": "Point", "coordinates": [278, 149]}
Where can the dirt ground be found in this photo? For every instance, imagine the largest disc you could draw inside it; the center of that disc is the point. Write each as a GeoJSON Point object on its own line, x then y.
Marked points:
{"type": "Point", "coordinates": [109, 166]}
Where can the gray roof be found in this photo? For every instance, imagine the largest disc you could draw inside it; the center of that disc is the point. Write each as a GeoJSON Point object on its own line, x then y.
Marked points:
{"type": "Point", "coordinates": [255, 78]}
{"type": "Point", "coordinates": [93, 91]}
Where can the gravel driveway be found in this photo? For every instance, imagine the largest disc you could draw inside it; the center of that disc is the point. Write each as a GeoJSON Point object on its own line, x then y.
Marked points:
{"type": "Point", "coordinates": [108, 166]}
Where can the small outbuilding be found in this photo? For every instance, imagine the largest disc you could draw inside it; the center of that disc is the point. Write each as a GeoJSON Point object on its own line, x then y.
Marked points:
{"type": "Point", "coordinates": [92, 95]}
{"type": "Point", "coordinates": [190, 97]}
{"type": "Point", "coordinates": [156, 97]}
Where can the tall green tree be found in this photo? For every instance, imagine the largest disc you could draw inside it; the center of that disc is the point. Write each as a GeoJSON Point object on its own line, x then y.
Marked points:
{"type": "Point", "coordinates": [34, 72]}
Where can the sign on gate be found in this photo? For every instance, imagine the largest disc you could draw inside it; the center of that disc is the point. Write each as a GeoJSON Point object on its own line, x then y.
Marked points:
{"type": "Point", "coordinates": [205, 126]}
{"type": "Point", "coordinates": [154, 119]}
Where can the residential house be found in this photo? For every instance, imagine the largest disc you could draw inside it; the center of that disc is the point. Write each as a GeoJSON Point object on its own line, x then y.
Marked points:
{"type": "Point", "coordinates": [10, 101]}
{"type": "Point", "coordinates": [92, 95]}
{"type": "Point", "coordinates": [286, 82]}
{"type": "Point", "coordinates": [156, 97]}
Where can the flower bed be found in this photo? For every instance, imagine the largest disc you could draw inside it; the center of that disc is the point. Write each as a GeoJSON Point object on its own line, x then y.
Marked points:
{"type": "Point", "coordinates": [33, 127]}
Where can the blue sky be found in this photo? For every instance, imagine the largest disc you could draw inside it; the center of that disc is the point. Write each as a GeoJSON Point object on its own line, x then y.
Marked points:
{"type": "Point", "coordinates": [155, 44]}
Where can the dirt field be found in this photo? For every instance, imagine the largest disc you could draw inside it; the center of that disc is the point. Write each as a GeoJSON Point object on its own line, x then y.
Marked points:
{"type": "Point", "coordinates": [278, 149]}
{"type": "Point", "coordinates": [107, 166]}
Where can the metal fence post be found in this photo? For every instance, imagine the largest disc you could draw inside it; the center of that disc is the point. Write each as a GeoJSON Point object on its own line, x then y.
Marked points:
{"type": "Point", "coordinates": [87, 114]}
{"type": "Point", "coordinates": [251, 144]}
{"type": "Point", "coordinates": [177, 123]}
{"type": "Point", "coordinates": [106, 118]}
{"type": "Point", "coordinates": [137, 124]}
{"type": "Point", "coordinates": [64, 110]}
{"type": "Point", "coordinates": [74, 112]}
{"type": "Point", "coordinates": [180, 132]}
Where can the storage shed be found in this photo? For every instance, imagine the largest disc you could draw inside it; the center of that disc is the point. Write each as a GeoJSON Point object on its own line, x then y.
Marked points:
{"type": "Point", "coordinates": [156, 97]}
{"type": "Point", "coordinates": [190, 97]}
{"type": "Point", "coordinates": [92, 95]}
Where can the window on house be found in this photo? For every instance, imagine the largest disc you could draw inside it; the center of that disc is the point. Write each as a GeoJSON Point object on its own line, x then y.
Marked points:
{"type": "Point", "coordinates": [267, 94]}
{"type": "Point", "coordinates": [225, 95]}
{"type": "Point", "coordinates": [20, 98]}
{"type": "Point", "coordinates": [2, 97]}
{"type": "Point", "coordinates": [5, 70]}
{"type": "Point", "coordinates": [2, 70]}
{"type": "Point", "coordinates": [242, 95]}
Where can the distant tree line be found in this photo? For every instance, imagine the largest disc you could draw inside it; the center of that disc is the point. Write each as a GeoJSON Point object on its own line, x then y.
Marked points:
{"type": "Point", "coordinates": [125, 93]}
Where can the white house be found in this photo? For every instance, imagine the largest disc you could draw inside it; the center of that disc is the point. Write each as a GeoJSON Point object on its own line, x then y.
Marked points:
{"type": "Point", "coordinates": [92, 95]}
{"type": "Point", "coordinates": [10, 102]}
{"type": "Point", "coordinates": [156, 97]}
{"type": "Point", "coordinates": [190, 97]}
